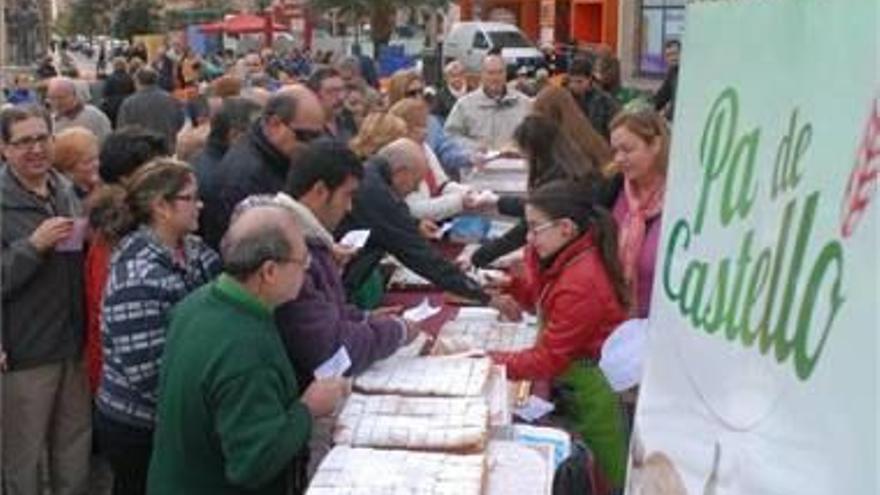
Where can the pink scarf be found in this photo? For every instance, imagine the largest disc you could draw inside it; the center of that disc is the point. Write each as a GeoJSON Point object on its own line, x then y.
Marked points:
{"type": "Point", "coordinates": [633, 229]}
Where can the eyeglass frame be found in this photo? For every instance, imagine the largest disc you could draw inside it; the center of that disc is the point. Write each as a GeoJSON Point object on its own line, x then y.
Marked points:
{"type": "Point", "coordinates": [29, 141]}
{"type": "Point", "coordinates": [537, 229]}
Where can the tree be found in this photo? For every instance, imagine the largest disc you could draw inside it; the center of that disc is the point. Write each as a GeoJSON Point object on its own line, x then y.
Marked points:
{"type": "Point", "coordinates": [380, 14]}
{"type": "Point", "coordinates": [134, 17]}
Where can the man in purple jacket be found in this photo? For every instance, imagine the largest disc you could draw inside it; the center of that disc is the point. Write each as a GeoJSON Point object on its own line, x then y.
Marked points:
{"type": "Point", "coordinates": [317, 324]}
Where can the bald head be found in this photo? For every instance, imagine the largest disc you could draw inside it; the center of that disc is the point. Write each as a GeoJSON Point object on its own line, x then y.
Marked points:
{"type": "Point", "coordinates": [61, 93]}
{"type": "Point", "coordinates": [259, 248]}
{"type": "Point", "coordinates": [408, 164]}
{"type": "Point", "coordinates": [494, 76]}
{"type": "Point", "coordinates": [291, 117]}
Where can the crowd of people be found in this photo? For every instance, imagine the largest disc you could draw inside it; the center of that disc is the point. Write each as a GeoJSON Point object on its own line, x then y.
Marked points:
{"type": "Point", "coordinates": [172, 275]}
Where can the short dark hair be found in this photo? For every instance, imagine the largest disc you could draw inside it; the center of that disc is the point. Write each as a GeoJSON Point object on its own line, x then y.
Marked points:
{"type": "Point", "coordinates": [319, 75]}
{"type": "Point", "coordinates": [126, 149]}
{"type": "Point", "coordinates": [146, 76]}
{"type": "Point", "coordinates": [13, 115]}
{"type": "Point", "coordinates": [325, 160]}
{"type": "Point", "coordinates": [281, 105]}
{"type": "Point", "coordinates": [235, 114]}
{"type": "Point", "coordinates": [581, 66]}
{"type": "Point", "coordinates": [673, 42]}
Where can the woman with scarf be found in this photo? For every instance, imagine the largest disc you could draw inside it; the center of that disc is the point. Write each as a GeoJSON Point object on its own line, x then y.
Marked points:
{"type": "Point", "coordinates": [640, 143]}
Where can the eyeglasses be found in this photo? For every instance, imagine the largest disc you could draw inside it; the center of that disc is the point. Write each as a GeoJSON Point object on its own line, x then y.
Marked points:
{"type": "Point", "coordinates": [537, 229]}
{"type": "Point", "coordinates": [305, 135]}
{"type": "Point", "coordinates": [305, 262]}
{"type": "Point", "coordinates": [28, 142]}
{"type": "Point", "coordinates": [412, 93]}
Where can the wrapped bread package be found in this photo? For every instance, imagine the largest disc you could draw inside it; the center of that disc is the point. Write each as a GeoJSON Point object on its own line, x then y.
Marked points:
{"type": "Point", "coordinates": [426, 376]}
{"type": "Point", "coordinates": [486, 336]}
{"type": "Point", "coordinates": [355, 471]}
{"type": "Point", "coordinates": [452, 424]}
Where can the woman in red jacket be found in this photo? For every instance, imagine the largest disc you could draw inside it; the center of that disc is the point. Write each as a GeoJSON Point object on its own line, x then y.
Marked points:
{"type": "Point", "coordinates": [574, 282]}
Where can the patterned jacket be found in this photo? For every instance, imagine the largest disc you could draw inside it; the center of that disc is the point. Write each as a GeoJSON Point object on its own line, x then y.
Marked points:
{"type": "Point", "coordinates": [145, 281]}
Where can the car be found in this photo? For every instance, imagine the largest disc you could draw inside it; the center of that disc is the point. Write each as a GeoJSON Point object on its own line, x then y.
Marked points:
{"type": "Point", "coordinates": [470, 42]}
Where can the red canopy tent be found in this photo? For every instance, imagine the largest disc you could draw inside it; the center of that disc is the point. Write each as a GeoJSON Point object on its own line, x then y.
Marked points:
{"type": "Point", "coordinates": [241, 24]}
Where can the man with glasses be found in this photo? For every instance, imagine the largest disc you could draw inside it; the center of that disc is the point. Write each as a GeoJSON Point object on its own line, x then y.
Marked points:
{"type": "Point", "coordinates": [46, 405]}
{"type": "Point", "coordinates": [327, 83]}
{"type": "Point", "coordinates": [231, 418]}
{"type": "Point", "coordinates": [259, 162]}
{"type": "Point", "coordinates": [70, 111]}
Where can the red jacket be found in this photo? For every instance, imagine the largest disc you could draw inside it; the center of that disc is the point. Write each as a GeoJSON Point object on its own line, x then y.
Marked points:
{"type": "Point", "coordinates": [577, 309]}
{"type": "Point", "coordinates": [96, 271]}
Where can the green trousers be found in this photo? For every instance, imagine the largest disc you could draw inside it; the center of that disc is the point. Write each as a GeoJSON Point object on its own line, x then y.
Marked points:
{"type": "Point", "coordinates": [592, 409]}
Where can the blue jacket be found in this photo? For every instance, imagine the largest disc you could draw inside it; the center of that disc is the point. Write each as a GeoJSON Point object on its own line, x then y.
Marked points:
{"type": "Point", "coordinates": [453, 157]}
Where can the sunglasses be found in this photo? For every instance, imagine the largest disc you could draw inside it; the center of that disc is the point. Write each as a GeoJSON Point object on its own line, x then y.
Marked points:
{"type": "Point", "coordinates": [412, 93]}
{"type": "Point", "coordinates": [306, 135]}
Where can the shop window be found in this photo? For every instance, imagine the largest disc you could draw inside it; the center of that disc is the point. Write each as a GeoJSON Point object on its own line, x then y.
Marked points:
{"type": "Point", "coordinates": [659, 22]}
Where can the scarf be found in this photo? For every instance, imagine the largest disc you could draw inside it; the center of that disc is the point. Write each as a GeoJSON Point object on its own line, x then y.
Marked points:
{"type": "Point", "coordinates": [633, 229]}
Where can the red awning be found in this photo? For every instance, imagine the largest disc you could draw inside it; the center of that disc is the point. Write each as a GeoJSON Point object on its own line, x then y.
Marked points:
{"type": "Point", "coordinates": [240, 24]}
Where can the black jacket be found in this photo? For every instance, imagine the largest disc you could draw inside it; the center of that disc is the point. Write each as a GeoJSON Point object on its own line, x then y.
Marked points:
{"type": "Point", "coordinates": [666, 94]}
{"type": "Point", "coordinates": [443, 102]}
{"type": "Point", "coordinates": [117, 87]}
{"type": "Point", "coordinates": [43, 304]}
{"type": "Point", "coordinates": [600, 108]}
{"type": "Point", "coordinates": [395, 231]}
{"type": "Point", "coordinates": [252, 166]}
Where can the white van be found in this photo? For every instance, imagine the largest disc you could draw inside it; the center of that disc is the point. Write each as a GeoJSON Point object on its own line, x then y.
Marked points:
{"type": "Point", "coordinates": [469, 42]}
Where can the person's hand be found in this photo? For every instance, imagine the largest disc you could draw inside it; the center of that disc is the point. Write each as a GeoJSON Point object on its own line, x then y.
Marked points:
{"type": "Point", "coordinates": [51, 232]}
{"type": "Point", "coordinates": [463, 262]}
{"type": "Point", "coordinates": [325, 395]}
{"type": "Point", "coordinates": [507, 306]}
{"type": "Point", "coordinates": [428, 229]}
{"type": "Point", "coordinates": [342, 254]}
{"type": "Point", "coordinates": [413, 329]}
{"type": "Point", "coordinates": [496, 280]}
{"type": "Point", "coordinates": [387, 311]}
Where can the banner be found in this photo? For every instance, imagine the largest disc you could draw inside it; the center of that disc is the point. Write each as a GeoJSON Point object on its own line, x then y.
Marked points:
{"type": "Point", "coordinates": [762, 375]}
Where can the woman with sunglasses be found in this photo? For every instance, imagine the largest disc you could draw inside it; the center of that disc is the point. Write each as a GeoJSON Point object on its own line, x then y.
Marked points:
{"type": "Point", "coordinates": [453, 157]}
{"type": "Point", "coordinates": [574, 283]}
{"type": "Point", "coordinates": [156, 263]}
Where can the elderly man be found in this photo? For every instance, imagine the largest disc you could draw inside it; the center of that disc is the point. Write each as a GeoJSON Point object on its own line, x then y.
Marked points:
{"type": "Point", "coordinates": [259, 162]}
{"type": "Point", "coordinates": [46, 404]}
{"type": "Point", "coordinates": [487, 117]}
{"type": "Point", "coordinates": [152, 107]}
{"type": "Point", "coordinates": [230, 417]}
{"type": "Point", "coordinates": [454, 87]}
{"type": "Point", "coordinates": [379, 205]}
{"type": "Point", "coordinates": [327, 83]}
{"type": "Point", "coordinates": [70, 110]}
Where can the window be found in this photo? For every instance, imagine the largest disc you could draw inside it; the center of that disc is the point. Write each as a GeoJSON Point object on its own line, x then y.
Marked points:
{"type": "Point", "coordinates": [509, 39]}
{"type": "Point", "coordinates": [480, 40]}
{"type": "Point", "coordinates": [659, 22]}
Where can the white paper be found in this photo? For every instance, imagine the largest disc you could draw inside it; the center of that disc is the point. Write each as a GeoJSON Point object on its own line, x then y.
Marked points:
{"type": "Point", "coordinates": [534, 409]}
{"type": "Point", "coordinates": [623, 354]}
{"type": "Point", "coordinates": [542, 435]}
{"type": "Point", "coordinates": [442, 230]}
{"type": "Point", "coordinates": [334, 367]}
{"type": "Point", "coordinates": [421, 312]}
{"type": "Point", "coordinates": [477, 313]}
{"type": "Point", "coordinates": [355, 238]}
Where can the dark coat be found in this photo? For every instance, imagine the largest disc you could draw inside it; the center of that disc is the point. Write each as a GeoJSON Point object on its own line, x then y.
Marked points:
{"type": "Point", "coordinates": [600, 108]}
{"type": "Point", "coordinates": [117, 87]}
{"type": "Point", "coordinates": [395, 231]}
{"type": "Point", "coordinates": [252, 166]}
{"type": "Point", "coordinates": [154, 109]}
{"type": "Point", "coordinates": [43, 303]}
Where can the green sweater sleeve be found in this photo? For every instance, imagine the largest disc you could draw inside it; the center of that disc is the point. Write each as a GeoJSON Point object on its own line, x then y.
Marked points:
{"type": "Point", "coordinates": [260, 428]}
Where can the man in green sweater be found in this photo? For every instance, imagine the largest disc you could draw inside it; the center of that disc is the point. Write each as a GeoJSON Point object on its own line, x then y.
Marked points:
{"type": "Point", "coordinates": [230, 419]}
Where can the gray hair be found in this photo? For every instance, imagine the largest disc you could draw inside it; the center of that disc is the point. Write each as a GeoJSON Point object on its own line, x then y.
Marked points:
{"type": "Point", "coordinates": [245, 250]}
{"type": "Point", "coordinates": [453, 65]}
{"type": "Point", "coordinates": [401, 153]}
